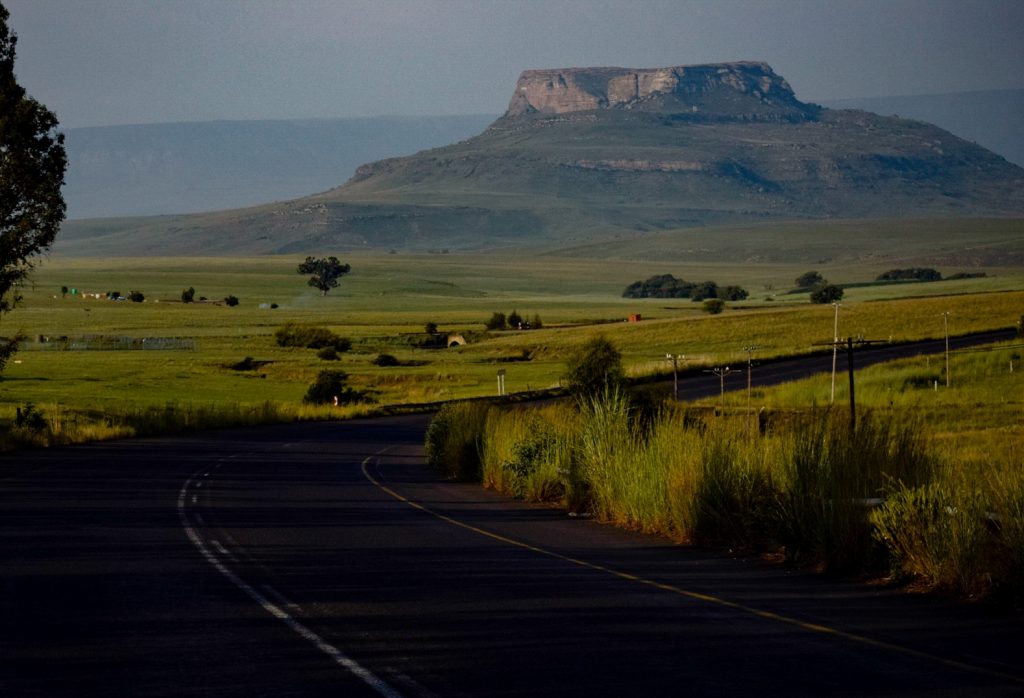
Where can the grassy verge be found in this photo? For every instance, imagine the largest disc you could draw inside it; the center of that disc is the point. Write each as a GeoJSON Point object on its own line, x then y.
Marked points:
{"type": "Point", "coordinates": [904, 493]}
{"type": "Point", "coordinates": [47, 425]}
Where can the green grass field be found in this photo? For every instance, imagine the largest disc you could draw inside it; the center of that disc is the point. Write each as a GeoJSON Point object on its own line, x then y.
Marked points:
{"type": "Point", "coordinates": [385, 302]}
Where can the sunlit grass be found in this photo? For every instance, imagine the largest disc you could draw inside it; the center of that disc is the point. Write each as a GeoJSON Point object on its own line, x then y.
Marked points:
{"type": "Point", "coordinates": [946, 463]}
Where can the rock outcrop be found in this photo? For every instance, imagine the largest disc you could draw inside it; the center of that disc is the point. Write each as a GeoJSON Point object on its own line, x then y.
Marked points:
{"type": "Point", "coordinates": [717, 90]}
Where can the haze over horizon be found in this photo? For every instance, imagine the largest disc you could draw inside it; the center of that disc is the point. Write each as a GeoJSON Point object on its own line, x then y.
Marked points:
{"type": "Point", "coordinates": [111, 62]}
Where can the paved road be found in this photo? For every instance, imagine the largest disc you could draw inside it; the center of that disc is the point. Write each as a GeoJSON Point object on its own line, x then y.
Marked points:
{"type": "Point", "coordinates": [775, 371]}
{"type": "Point", "coordinates": [316, 559]}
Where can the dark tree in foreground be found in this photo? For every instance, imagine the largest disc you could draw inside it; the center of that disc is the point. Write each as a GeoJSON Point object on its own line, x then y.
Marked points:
{"type": "Point", "coordinates": [595, 367]}
{"type": "Point", "coordinates": [32, 164]}
{"type": "Point", "coordinates": [324, 272]}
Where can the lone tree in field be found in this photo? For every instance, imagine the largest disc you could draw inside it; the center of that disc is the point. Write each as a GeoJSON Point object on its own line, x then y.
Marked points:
{"type": "Point", "coordinates": [324, 272]}
{"type": "Point", "coordinates": [829, 293]}
{"type": "Point", "coordinates": [32, 164]}
{"type": "Point", "coordinates": [594, 368]}
{"type": "Point", "coordinates": [810, 279]}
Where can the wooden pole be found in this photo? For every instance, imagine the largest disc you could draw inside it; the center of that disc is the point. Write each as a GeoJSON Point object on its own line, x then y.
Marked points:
{"type": "Point", "coordinates": [853, 402]}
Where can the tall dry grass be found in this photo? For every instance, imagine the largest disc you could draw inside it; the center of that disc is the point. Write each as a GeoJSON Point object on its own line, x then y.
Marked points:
{"type": "Point", "coordinates": [879, 497]}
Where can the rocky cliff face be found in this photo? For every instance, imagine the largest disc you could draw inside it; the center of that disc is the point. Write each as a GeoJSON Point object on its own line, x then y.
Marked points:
{"type": "Point", "coordinates": [718, 90]}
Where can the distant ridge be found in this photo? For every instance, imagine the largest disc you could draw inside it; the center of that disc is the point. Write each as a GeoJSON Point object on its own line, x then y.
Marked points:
{"type": "Point", "coordinates": [173, 168]}
{"type": "Point", "coordinates": [993, 119]}
{"type": "Point", "coordinates": [588, 152]}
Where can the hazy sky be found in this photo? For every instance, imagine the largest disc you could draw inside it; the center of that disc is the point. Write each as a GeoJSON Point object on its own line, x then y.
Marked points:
{"type": "Point", "coordinates": [98, 62]}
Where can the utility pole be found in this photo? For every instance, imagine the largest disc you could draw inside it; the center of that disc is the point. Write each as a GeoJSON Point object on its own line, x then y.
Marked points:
{"type": "Point", "coordinates": [674, 358]}
{"type": "Point", "coordinates": [853, 402]}
{"type": "Point", "coordinates": [835, 351]}
{"type": "Point", "coordinates": [721, 373]}
{"type": "Point", "coordinates": [945, 328]}
{"type": "Point", "coordinates": [750, 349]}
{"type": "Point", "coordinates": [850, 341]}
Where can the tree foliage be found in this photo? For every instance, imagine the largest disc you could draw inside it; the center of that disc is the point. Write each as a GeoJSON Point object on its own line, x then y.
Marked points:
{"type": "Point", "coordinates": [497, 322]}
{"type": "Point", "coordinates": [911, 274]}
{"type": "Point", "coordinates": [594, 368]}
{"type": "Point", "coordinates": [829, 293]}
{"type": "Point", "coordinates": [32, 165]}
{"type": "Point", "coordinates": [330, 386]}
{"type": "Point", "coordinates": [310, 337]}
{"type": "Point", "coordinates": [714, 306]}
{"type": "Point", "coordinates": [324, 272]}
{"type": "Point", "coordinates": [668, 286]}
{"type": "Point", "coordinates": [810, 279]}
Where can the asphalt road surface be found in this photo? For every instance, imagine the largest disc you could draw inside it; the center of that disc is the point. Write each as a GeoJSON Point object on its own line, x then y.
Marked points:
{"type": "Point", "coordinates": [326, 559]}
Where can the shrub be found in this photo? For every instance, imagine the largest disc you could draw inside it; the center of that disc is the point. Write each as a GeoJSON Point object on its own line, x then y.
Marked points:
{"type": "Point", "coordinates": [310, 337]}
{"type": "Point", "coordinates": [515, 320]}
{"type": "Point", "coordinates": [430, 328]}
{"type": "Point", "coordinates": [30, 417]}
{"type": "Point", "coordinates": [497, 322]}
{"type": "Point", "coordinates": [733, 293]}
{"type": "Point", "coordinates": [331, 385]}
{"type": "Point", "coordinates": [246, 364]}
{"type": "Point", "coordinates": [714, 306]}
{"type": "Point", "coordinates": [536, 323]}
{"type": "Point", "coordinates": [231, 301]}
{"type": "Point", "coordinates": [386, 360]}
{"type": "Point", "coordinates": [937, 534]}
{"type": "Point", "coordinates": [136, 296]}
{"type": "Point", "coordinates": [595, 368]}
{"type": "Point", "coordinates": [328, 354]}
{"type": "Point", "coordinates": [188, 295]}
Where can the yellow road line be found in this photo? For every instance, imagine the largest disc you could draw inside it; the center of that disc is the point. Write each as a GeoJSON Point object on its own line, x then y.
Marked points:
{"type": "Point", "coordinates": [695, 595]}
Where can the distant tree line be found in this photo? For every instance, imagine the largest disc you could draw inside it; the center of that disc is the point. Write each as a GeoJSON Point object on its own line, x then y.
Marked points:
{"type": "Point", "coordinates": [912, 274]}
{"type": "Point", "coordinates": [515, 321]}
{"type": "Point", "coordinates": [924, 274]}
{"type": "Point", "coordinates": [668, 286]}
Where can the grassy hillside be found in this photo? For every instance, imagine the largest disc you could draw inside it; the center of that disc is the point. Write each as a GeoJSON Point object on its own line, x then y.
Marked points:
{"type": "Point", "coordinates": [990, 118]}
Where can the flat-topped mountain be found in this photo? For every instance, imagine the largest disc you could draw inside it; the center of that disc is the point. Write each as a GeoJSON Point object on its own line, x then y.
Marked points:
{"type": "Point", "coordinates": [590, 152]}
{"type": "Point", "coordinates": [714, 91]}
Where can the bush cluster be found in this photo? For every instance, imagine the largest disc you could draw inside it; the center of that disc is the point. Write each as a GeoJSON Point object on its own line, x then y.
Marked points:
{"type": "Point", "coordinates": [310, 337]}
{"type": "Point", "coordinates": [515, 321]}
{"type": "Point", "coordinates": [911, 274]}
{"type": "Point", "coordinates": [668, 286]}
{"type": "Point", "coordinates": [330, 386]}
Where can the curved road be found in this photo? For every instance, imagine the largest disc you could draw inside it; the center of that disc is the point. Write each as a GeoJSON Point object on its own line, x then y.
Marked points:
{"type": "Point", "coordinates": [316, 559]}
